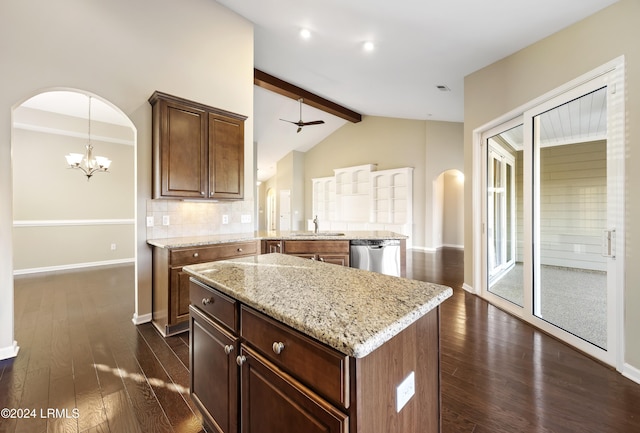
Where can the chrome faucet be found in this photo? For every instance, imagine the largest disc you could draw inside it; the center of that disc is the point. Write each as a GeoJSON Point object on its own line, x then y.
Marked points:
{"type": "Point", "coordinates": [315, 224]}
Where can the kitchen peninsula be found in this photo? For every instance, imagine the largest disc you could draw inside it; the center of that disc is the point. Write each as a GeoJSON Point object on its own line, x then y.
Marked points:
{"type": "Point", "coordinates": [283, 344]}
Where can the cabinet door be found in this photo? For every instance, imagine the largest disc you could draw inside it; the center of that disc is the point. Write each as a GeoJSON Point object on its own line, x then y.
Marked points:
{"type": "Point", "coordinates": [272, 247]}
{"type": "Point", "coordinates": [226, 157]}
{"type": "Point", "coordinates": [214, 373]}
{"type": "Point", "coordinates": [183, 150]}
{"type": "Point", "coordinates": [336, 259]}
{"type": "Point", "coordinates": [179, 294]}
{"type": "Point", "coordinates": [274, 402]}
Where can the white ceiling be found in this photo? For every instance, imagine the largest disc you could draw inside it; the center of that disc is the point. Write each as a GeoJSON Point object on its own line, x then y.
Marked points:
{"type": "Point", "coordinates": [419, 44]}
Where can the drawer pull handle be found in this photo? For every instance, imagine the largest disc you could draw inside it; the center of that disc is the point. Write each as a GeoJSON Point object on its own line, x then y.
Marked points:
{"type": "Point", "coordinates": [207, 301]}
{"type": "Point", "coordinates": [228, 349]}
{"type": "Point", "coordinates": [277, 347]}
{"type": "Point", "coordinates": [239, 250]}
{"type": "Point", "coordinates": [195, 254]}
{"type": "Point", "coordinates": [240, 359]}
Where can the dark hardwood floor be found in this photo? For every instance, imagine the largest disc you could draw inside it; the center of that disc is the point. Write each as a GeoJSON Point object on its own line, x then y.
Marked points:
{"type": "Point", "coordinates": [84, 367]}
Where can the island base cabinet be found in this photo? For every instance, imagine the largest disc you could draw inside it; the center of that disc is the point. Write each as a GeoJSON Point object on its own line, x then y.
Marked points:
{"type": "Point", "coordinates": [274, 402]}
{"type": "Point", "coordinates": [214, 378]}
{"type": "Point", "coordinates": [376, 377]}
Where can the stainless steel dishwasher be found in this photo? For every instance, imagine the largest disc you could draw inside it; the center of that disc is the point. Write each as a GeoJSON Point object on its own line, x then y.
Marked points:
{"type": "Point", "coordinates": [379, 255]}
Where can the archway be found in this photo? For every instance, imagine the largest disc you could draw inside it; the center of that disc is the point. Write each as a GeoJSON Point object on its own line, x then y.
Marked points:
{"type": "Point", "coordinates": [75, 223]}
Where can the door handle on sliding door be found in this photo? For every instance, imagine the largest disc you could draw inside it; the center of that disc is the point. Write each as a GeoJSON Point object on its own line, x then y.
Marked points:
{"type": "Point", "coordinates": [609, 243]}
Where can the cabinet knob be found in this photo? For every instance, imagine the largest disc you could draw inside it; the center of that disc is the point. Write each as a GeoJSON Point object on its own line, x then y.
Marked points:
{"type": "Point", "coordinates": [239, 250]}
{"type": "Point", "coordinates": [240, 359]}
{"type": "Point", "coordinates": [207, 301]}
{"type": "Point", "coordinates": [313, 258]}
{"type": "Point", "coordinates": [279, 245]}
{"type": "Point", "coordinates": [201, 192]}
{"type": "Point", "coordinates": [195, 254]}
{"type": "Point", "coordinates": [321, 259]}
{"type": "Point", "coordinates": [228, 349]}
{"type": "Point", "coordinates": [277, 347]}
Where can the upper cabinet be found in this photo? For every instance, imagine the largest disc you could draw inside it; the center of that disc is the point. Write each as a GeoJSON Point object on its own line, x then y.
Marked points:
{"type": "Point", "coordinates": [198, 151]}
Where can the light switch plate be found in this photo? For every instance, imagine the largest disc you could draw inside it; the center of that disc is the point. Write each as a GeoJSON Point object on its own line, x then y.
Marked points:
{"type": "Point", "coordinates": [225, 219]}
{"type": "Point", "coordinates": [245, 218]}
{"type": "Point", "coordinates": [405, 391]}
{"type": "Point", "coordinates": [149, 221]}
{"type": "Point", "coordinates": [165, 220]}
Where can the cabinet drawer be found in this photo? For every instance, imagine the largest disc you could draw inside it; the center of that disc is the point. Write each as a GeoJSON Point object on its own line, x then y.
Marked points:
{"type": "Point", "coordinates": [321, 368]}
{"type": "Point", "coordinates": [211, 253]}
{"type": "Point", "coordinates": [214, 303]}
{"type": "Point", "coordinates": [320, 247]}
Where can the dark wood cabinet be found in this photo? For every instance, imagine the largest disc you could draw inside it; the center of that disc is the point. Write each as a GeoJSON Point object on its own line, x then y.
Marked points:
{"type": "Point", "coordinates": [198, 151]}
{"type": "Point", "coordinates": [273, 401]}
{"type": "Point", "coordinates": [214, 382]}
{"type": "Point", "coordinates": [329, 251]}
{"type": "Point", "coordinates": [271, 246]}
{"type": "Point", "coordinates": [171, 288]}
{"type": "Point", "coordinates": [287, 382]}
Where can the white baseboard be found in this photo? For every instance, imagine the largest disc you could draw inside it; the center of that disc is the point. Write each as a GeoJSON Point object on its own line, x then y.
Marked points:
{"type": "Point", "coordinates": [631, 372]}
{"type": "Point", "coordinates": [9, 351]}
{"type": "Point", "coordinates": [72, 266]}
{"type": "Point", "coordinates": [139, 320]}
{"type": "Point", "coordinates": [469, 289]}
{"type": "Point", "coordinates": [458, 247]}
{"type": "Point", "coordinates": [425, 249]}
{"type": "Point", "coordinates": [435, 250]}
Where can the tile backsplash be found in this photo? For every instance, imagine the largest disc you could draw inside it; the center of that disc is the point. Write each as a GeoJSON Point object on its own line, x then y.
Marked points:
{"type": "Point", "coordinates": [191, 218]}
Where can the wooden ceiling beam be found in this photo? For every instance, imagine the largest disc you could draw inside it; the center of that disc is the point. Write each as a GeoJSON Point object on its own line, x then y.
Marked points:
{"type": "Point", "coordinates": [281, 87]}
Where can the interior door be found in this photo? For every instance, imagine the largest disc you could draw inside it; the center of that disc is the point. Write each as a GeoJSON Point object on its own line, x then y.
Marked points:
{"type": "Point", "coordinates": [285, 210]}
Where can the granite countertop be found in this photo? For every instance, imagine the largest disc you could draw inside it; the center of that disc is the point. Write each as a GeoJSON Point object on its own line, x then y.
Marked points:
{"type": "Point", "coordinates": [196, 241]}
{"type": "Point", "coordinates": [352, 310]}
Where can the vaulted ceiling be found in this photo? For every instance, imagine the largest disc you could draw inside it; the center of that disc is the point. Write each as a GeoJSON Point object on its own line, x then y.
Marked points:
{"type": "Point", "coordinates": [418, 45]}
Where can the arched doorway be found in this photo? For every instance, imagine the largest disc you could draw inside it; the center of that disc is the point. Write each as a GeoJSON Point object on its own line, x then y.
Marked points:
{"type": "Point", "coordinates": [74, 222]}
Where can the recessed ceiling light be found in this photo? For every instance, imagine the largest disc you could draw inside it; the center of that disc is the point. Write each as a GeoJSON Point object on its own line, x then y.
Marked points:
{"type": "Point", "coordinates": [305, 33]}
{"type": "Point", "coordinates": [368, 46]}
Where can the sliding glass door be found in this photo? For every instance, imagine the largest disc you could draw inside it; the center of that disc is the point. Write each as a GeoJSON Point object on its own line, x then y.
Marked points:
{"type": "Point", "coordinates": [569, 145]}
{"type": "Point", "coordinates": [552, 207]}
{"type": "Point", "coordinates": [503, 191]}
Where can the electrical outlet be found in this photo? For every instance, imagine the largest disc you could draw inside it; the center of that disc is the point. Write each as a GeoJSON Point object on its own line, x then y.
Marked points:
{"type": "Point", "coordinates": [113, 247]}
{"type": "Point", "coordinates": [225, 219]}
{"type": "Point", "coordinates": [245, 218]}
{"type": "Point", "coordinates": [405, 391]}
{"type": "Point", "coordinates": [165, 220]}
{"type": "Point", "coordinates": [149, 221]}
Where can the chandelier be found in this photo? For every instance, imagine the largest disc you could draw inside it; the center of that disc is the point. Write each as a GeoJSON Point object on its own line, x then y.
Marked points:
{"type": "Point", "coordinates": [86, 162]}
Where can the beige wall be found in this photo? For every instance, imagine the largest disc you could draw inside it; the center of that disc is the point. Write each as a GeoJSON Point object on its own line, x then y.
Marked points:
{"type": "Point", "coordinates": [543, 66]}
{"type": "Point", "coordinates": [430, 147]}
{"type": "Point", "coordinates": [49, 199]}
{"type": "Point", "coordinates": [121, 51]}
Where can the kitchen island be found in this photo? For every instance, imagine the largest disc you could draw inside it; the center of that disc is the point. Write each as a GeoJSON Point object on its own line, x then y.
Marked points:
{"type": "Point", "coordinates": [282, 344]}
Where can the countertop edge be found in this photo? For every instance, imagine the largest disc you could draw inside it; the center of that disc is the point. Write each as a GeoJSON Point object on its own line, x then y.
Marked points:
{"type": "Point", "coordinates": [199, 241]}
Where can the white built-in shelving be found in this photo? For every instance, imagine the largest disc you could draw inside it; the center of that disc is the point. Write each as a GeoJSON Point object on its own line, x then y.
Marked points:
{"type": "Point", "coordinates": [363, 198]}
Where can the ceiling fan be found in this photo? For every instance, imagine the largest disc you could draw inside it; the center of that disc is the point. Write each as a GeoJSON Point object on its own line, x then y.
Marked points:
{"type": "Point", "coordinates": [300, 123]}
